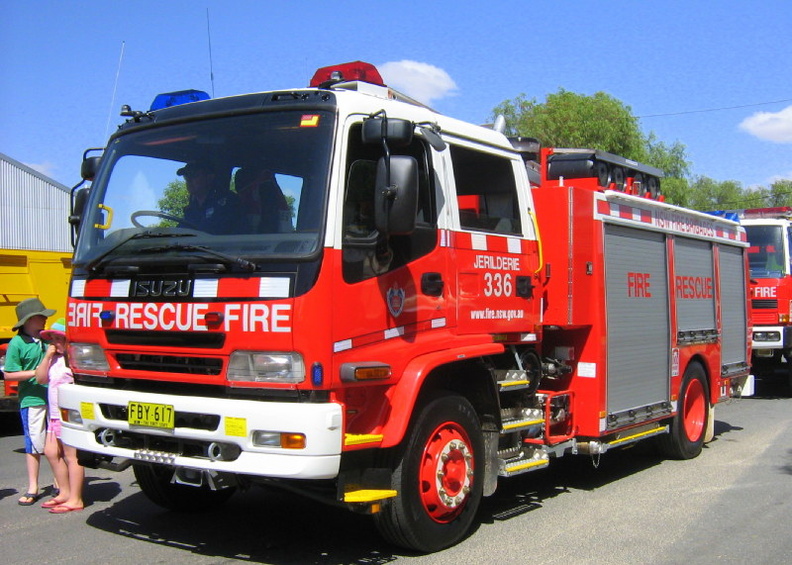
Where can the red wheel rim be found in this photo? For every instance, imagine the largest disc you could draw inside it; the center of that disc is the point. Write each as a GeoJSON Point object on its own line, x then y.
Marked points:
{"type": "Point", "coordinates": [446, 472]}
{"type": "Point", "coordinates": [694, 410]}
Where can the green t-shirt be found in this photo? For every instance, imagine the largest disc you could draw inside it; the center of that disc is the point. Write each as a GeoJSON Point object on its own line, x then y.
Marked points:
{"type": "Point", "coordinates": [24, 354]}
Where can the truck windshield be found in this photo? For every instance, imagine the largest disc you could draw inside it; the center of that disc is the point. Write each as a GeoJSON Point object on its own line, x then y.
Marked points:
{"type": "Point", "coordinates": [248, 187]}
{"type": "Point", "coordinates": [766, 251]}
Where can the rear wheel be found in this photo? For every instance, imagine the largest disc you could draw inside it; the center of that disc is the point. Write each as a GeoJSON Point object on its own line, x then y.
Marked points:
{"type": "Point", "coordinates": [438, 474]}
{"type": "Point", "coordinates": [689, 426]}
{"type": "Point", "coordinates": [155, 482]}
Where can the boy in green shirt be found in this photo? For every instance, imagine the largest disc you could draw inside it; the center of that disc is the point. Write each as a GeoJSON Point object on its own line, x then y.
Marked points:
{"type": "Point", "coordinates": [25, 352]}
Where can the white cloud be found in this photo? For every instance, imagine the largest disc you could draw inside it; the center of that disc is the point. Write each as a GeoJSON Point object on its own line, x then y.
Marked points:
{"type": "Point", "coordinates": [770, 126]}
{"type": "Point", "coordinates": [45, 168]}
{"type": "Point", "coordinates": [781, 177]}
{"type": "Point", "coordinates": [426, 83]}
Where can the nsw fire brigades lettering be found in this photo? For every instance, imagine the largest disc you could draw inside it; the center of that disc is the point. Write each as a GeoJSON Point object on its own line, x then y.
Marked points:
{"type": "Point", "coordinates": [181, 316]}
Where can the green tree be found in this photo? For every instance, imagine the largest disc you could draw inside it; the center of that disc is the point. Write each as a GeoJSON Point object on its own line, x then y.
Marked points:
{"type": "Point", "coordinates": [672, 160]}
{"type": "Point", "coordinates": [174, 199]}
{"type": "Point", "coordinates": [709, 194]}
{"type": "Point", "coordinates": [780, 194]}
{"type": "Point", "coordinates": [602, 122]}
{"type": "Point", "coordinates": [567, 119]}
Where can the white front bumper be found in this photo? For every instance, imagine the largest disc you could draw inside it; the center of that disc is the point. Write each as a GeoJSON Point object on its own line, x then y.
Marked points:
{"type": "Point", "coordinates": [321, 424]}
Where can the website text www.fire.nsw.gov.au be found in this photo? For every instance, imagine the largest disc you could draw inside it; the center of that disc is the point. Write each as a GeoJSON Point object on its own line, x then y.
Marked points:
{"type": "Point", "coordinates": [493, 314]}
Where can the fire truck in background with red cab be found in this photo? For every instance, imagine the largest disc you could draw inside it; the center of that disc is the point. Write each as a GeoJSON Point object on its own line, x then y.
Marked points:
{"type": "Point", "coordinates": [436, 312]}
{"type": "Point", "coordinates": [769, 255]}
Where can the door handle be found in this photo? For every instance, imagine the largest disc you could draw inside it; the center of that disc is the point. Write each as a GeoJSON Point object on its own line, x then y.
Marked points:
{"type": "Point", "coordinates": [432, 284]}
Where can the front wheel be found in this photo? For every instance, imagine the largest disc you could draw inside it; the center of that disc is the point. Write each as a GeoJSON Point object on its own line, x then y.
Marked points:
{"type": "Point", "coordinates": [438, 474]}
{"type": "Point", "coordinates": [155, 482]}
{"type": "Point", "coordinates": [689, 426]}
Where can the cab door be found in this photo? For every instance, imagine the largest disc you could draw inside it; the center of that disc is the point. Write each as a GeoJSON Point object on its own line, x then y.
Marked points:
{"type": "Point", "coordinates": [496, 253]}
{"type": "Point", "coordinates": [392, 289]}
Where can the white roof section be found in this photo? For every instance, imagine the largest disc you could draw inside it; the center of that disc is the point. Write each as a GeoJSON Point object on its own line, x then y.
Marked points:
{"type": "Point", "coordinates": [34, 209]}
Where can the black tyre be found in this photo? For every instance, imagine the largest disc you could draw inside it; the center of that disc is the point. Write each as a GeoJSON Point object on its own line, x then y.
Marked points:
{"type": "Point", "coordinates": [617, 177]}
{"type": "Point", "coordinates": [689, 426]}
{"type": "Point", "coordinates": [155, 482]}
{"type": "Point", "coordinates": [438, 473]}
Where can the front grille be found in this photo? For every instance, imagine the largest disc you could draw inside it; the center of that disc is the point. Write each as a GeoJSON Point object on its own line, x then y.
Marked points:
{"type": "Point", "coordinates": [170, 364]}
{"type": "Point", "coordinates": [200, 340]}
{"type": "Point", "coordinates": [762, 318]}
{"type": "Point", "coordinates": [764, 303]}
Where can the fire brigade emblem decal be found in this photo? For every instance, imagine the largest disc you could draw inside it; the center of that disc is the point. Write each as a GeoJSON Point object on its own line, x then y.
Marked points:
{"type": "Point", "coordinates": [395, 299]}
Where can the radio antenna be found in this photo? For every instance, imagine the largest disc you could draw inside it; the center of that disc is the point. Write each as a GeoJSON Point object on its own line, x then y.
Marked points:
{"type": "Point", "coordinates": [115, 87]}
{"type": "Point", "coordinates": [209, 36]}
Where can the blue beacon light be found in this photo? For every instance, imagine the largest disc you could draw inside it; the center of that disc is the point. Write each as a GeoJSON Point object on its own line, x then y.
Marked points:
{"type": "Point", "coordinates": [168, 99]}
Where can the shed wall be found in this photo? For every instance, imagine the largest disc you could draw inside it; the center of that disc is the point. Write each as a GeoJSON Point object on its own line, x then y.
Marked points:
{"type": "Point", "coordinates": [34, 209]}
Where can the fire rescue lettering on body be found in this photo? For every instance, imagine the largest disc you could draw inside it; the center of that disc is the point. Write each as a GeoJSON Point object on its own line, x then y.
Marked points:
{"type": "Point", "coordinates": [182, 316]}
{"type": "Point", "coordinates": [639, 285]}
{"type": "Point", "coordinates": [693, 287]}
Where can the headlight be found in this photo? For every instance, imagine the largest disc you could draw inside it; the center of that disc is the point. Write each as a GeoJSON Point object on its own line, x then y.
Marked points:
{"type": "Point", "coordinates": [88, 357]}
{"type": "Point", "coordinates": [266, 367]}
{"type": "Point", "coordinates": [767, 336]}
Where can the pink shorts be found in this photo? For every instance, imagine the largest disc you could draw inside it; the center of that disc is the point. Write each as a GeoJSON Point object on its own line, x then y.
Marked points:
{"type": "Point", "coordinates": [54, 427]}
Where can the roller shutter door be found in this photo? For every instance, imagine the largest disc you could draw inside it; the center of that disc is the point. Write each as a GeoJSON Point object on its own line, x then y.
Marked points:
{"type": "Point", "coordinates": [638, 347]}
{"type": "Point", "coordinates": [733, 300]}
{"type": "Point", "coordinates": [695, 286]}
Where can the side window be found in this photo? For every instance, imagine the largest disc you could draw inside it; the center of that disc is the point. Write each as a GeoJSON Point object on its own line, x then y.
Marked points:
{"type": "Point", "coordinates": [486, 192]}
{"type": "Point", "coordinates": [366, 252]}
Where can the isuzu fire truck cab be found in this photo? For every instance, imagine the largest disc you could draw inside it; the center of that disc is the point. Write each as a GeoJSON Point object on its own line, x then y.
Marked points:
{"type": "Point", "coordinates": [392, 319]}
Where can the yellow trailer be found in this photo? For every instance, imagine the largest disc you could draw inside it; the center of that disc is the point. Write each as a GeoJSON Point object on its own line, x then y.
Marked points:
{"type": "Point", "coordinates": [26, 274]}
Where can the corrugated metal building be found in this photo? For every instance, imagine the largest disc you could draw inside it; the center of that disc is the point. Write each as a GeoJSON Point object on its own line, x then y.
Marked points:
{"type": "Point", "coordinates": [34, 209]}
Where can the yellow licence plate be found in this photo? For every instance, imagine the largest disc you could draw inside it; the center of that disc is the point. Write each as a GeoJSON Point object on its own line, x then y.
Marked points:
{"type": "Point", "coordinates": [151, 415]}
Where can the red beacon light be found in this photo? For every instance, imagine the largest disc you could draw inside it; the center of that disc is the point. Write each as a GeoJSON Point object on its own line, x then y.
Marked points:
{"type": "Point", "coordinates": [767, 212]}
{"type": "Point", "coordinates": [345, 72]}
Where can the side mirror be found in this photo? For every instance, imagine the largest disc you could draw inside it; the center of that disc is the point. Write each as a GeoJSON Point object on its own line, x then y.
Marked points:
{"type": "Point", "coordinates": [394, 132]}
{"type": "Point", "coordinates": [80, 197]}
{"type": "Point", "coordinates": [396, 196]}
{"type": "Point", "coordinates": [89, 167]}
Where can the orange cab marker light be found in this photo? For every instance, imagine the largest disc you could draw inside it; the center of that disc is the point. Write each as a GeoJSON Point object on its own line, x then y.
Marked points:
{"type": "Point", "coordinates": [365, 371]}
{"type": "Point", "coordinates": [293, 441]}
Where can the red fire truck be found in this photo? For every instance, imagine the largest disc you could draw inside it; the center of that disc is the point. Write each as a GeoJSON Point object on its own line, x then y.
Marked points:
{"type": "Point", "coordinates": [768, 232]}
{"type": "Point", "coordinates": [422, 323]}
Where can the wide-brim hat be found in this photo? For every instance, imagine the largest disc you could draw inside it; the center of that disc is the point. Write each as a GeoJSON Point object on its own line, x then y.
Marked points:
{"type": "Point", "coordinates": [28, 308]}
{"type": "Point", "coordinates": [58, 328]}
{"type": "Point", "coordinates": [192, 168]}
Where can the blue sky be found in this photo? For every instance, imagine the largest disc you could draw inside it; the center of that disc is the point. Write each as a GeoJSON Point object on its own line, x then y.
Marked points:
{"type": "Point", "coordinates": [715, 75]}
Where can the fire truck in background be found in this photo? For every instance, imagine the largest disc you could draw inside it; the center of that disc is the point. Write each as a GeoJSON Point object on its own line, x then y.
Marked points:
{"type": "Point", "coordinates": [769, 255]}
{"type": "Point", "coordinates": [427, 321]}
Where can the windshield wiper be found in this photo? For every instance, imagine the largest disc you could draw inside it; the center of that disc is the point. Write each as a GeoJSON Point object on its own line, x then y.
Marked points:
{"type": "Point", "coordinates": [148, 234]}
{"type": "Point", "coordinates": [240, 262]}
